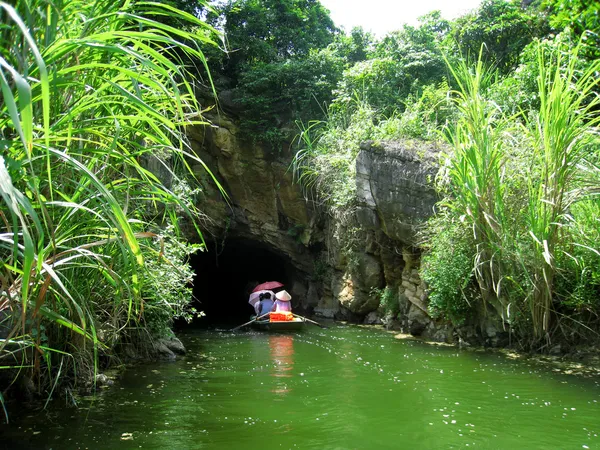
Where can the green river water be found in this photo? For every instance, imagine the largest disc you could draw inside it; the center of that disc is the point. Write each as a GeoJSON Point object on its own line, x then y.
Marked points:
{"type": "Point", "coordinates": [346, 387]}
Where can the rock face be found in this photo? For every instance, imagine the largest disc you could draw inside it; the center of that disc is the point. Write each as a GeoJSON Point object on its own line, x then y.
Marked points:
{"type": "Point", "coordinates": [344, 265]}
{"type": "Point", "coordinates": [394, 182]}
{"type": "Point", "coordinates": [262, 202]}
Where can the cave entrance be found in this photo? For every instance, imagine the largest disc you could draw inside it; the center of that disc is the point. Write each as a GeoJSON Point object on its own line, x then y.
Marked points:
{"type": "Point", "coordinates": [225, 276]}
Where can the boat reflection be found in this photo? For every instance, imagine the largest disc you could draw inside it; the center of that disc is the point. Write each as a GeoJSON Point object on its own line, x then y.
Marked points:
{"type": "Point", "coordinates": [281, 348]}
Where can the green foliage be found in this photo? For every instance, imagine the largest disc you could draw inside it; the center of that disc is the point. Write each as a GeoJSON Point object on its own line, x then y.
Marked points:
{"type": "Point", "coordinates": [581, 16]}
{"type": "Point", "coordinates": [564, 132]}
{"type": "Point", "coordinates": [276, 94]}
{"type": "Point", "coordinates": [401, 64]}
{"type": "Point", "coordinates": [578, 282]}
{"type": "Point", "coordinates": [423, 116]}
{"type": "Point", "coordinates": [388, 301]}
{"type": "Point", "coordinates": [378, 81]}
{"type": "Point", "coordinates": [418, 50]}
{"type": "Point", "coordinates": [475, 175]}
{"type": "Point", "coordinates": [321, 270]}
{"type": "Point", "coordinates": [447, 267]}
{"type": "Point", "coordinates": [355, 47]}
{"type": "Point", "coordinates": [524, 195]}
{"type": "Point", "coordinates": [167, 293]}
{"type": "Point", "coordinates": [269, 31]}
{"type": "Point", "coordinates": [277, 64]}
{"type": "Point", "coordinates": [518, 92]}
{"type": "Point", "coordinates": [505, 28]}
{"type": "Point", "coordinates": [92, 92]}
{"type": "Point", "coordinates": [325, 163]}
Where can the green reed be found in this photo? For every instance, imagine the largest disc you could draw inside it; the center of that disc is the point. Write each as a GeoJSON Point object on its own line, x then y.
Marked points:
{"type": "Point", "coordinates": [91, 90]}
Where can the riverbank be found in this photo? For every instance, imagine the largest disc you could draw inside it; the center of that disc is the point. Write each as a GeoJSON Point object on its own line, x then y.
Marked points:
{"type": "Point", "coordinates": [584, 362]}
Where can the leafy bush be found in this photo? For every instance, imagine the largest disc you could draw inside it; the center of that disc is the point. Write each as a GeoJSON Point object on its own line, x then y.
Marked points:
{"type": "Point", "coordinates": [380, 82]}
{"type": "Point", "coordinates": [274, 95]}
{"type": "Point", "coordinates": [503, 28]}
{"type": "Point", "coordinates": [447, 268]}
{"type": "Point", "coordinates": [167, 291]}
{"type": "Point", "coordinates": [388, 302]}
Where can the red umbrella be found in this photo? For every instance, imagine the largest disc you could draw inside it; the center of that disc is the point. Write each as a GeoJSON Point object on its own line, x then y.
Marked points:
{"type": "Point", "coordinates": [268, 285]}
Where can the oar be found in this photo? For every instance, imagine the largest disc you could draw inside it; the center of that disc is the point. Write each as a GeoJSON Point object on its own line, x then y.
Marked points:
{"type": "Point", "coordinates": [311, 321]}
{"type": "Point", "coordinates": [248, 323]}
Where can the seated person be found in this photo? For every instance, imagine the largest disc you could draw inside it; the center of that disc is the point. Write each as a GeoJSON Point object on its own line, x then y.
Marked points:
{"type": "Point", "coordinates": [282, 302]}
{"type": "Point", "coordinates": [265, 304]}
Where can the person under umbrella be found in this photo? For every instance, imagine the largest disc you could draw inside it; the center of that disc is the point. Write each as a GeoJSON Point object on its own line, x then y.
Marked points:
{"type": "Point", "coordinates": [256, 297]}
{"type": "Point", "coordinates": [265, 303]}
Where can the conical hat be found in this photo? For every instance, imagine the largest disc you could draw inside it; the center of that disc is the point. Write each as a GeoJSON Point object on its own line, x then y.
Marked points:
{"type": "Point", "coordinates": [283, 296]}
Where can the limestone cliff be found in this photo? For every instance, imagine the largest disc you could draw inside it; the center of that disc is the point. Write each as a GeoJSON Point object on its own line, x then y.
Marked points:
{"type": "Point", "coordinates": [344, 261]}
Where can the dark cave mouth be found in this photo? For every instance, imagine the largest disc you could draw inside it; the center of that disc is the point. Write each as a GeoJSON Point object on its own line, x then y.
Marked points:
{"type": "Point", "coordinates": [225, 276]}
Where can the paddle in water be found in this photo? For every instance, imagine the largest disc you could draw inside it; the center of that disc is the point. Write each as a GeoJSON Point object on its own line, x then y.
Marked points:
{"type": "Point", "coordinates": [248, 323]}
{"type": "Point", "coordinates": [311, 321]}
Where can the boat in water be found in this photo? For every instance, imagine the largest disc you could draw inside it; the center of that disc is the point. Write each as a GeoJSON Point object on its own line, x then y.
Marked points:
{"type": "Point", "coordinates": [279, 325]}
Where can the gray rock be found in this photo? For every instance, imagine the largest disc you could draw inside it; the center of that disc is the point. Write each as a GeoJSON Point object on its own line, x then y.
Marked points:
{"type": "Point", "coordinates": [417, 321]}
{"type": "Point", "coordinates": [372, 318]}
{"type": "Point", "coordinates": [326, 313]}
{"type": "Point", "coordinates": [103, 380]}
{"type": "Point", "coordinates": [174, 345]}
{"type": "Point", "coordinates": [396, 181]}
{"type": "Point", "coordinates": [161, 351]}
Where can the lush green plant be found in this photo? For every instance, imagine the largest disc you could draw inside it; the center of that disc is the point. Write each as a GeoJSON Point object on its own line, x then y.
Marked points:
{"type": "Point", "coordinates": [388, 301]}
{"type": "Point", "coordinates": [423, 117]}
{"type": "Point", "coordinates": [355, 47]}
{"type": "Point", "coordinates": [504, 28]}
{"type": "Point", "coordinates": [321, 270]}
{"type": "Point", "coordinates": [168, 291]}
{"type": "Point", "coordinates": [563, 134]}
{"type": "Point", "coordinates": [325, 162]}
{"type": "Point", "coordinates": [475, 176]}
{"type": "Point", "coordinates": [447, 267]}
{"type": "Point", "coordinates": [401, 64]}
{"type": "Point", "coordinates": [269, 31]}
{"type": "Point", "coordinates": [523, 193]}
{"type": "Point", "coordinates": [91, 92]}
{"type": "Point", "coordinates": [274, 95]}
{"type": "Point", "coordinates": [582, 16]}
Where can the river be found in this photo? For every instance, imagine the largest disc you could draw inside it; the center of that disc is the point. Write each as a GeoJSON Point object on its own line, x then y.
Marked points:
{"type": "Point", "coordinates": [346, 387]}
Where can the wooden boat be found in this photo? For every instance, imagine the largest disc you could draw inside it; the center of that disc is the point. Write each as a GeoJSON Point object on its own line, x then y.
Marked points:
{"type": "Point", "coordinates": [283, 325]}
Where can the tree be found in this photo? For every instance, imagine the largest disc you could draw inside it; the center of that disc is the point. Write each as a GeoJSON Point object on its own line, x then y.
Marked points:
{"type": "Point", "coordinates": [582, 17]}
{"type": "Point", "coordinates": [267, 31]}
{"type": "Point", "coordinates": [355, 47]}
{"type": "Point", "coordinates": [273, 95]}
{"type": "Point", "coordinates": [402, 63]}
{"type": "Point", "coordinates": [504, 27]}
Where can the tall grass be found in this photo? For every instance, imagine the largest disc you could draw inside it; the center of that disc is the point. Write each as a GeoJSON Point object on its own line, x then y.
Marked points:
{"type": "Point", "coordinates": [524, 222]}
{"type": "Point", "coordinates": [475, 174]}
{"type": "Point", "coordinates": [90, 91]}
{"type": "Point", "coordinates": [563, 134]}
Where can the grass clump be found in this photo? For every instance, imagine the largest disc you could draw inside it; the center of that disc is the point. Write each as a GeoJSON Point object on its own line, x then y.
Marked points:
{"type": "Point", "coordinates": [91, 92]}
{"type": "Point", "coordinates": [447, 269]}
{"type": "Point", "coordinates": [522, 189]}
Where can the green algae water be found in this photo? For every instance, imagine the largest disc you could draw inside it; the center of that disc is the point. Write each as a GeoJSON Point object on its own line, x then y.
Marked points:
{"type": "Point", "coordinates": [345, 387]}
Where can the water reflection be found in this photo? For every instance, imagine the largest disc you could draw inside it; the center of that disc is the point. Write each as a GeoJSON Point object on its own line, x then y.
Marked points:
{"type": "Point", "coordinates": [281, 349]}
